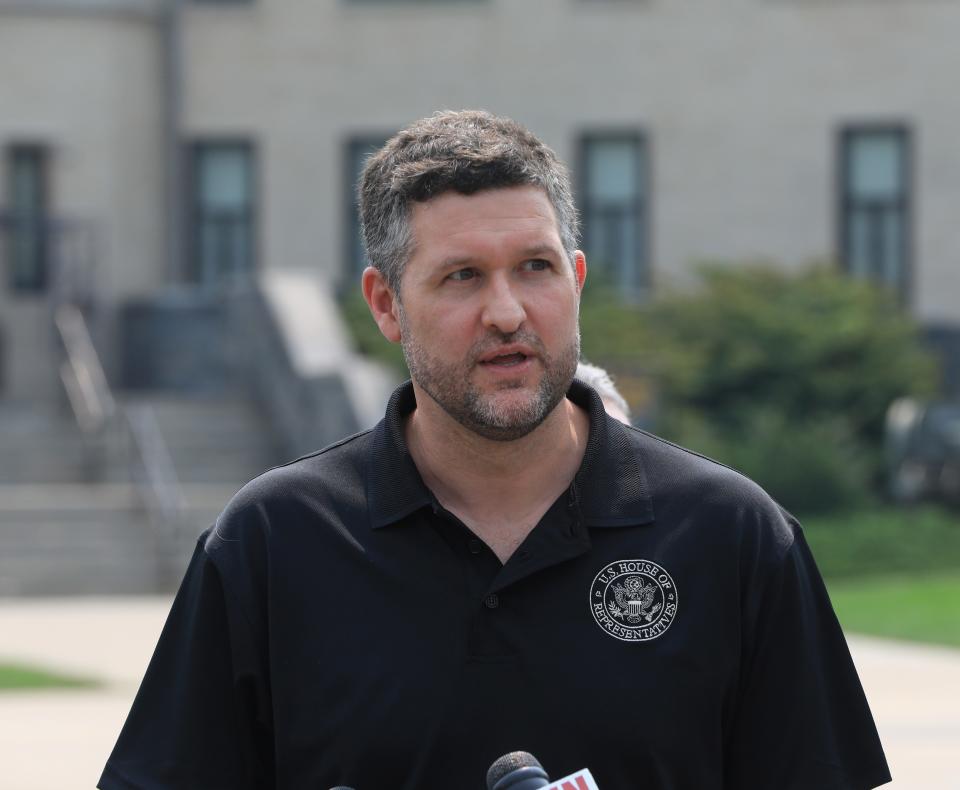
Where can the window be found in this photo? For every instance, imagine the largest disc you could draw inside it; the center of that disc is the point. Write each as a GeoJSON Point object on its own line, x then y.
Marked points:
{"type": "Point", "coordinates": [27, 238]}
{"type": "Point", "coordinates": [875, 204]}
{"type": "Point", "coordinates": [358, 149]}
{"type": "Point", "coordinates": [222, 190]}
{"type": "Point", "coordinates": [613, 178]}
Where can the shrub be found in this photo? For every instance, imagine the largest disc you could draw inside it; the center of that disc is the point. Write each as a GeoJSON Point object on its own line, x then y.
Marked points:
{"type": "Point", "coordinates": [366, 334]}
{"type": "Point", "coordinates": [810, 345]}
{"type": "Point", "coordinates": [784, 375]}
{"type": "Point", "coordinates": [814, 466]}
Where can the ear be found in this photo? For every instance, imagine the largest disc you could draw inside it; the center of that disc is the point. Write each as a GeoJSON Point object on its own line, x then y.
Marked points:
{"type": "Point", "coordinates": [580, 268]}
{"type": "Point", "coordinates": [382, 302]}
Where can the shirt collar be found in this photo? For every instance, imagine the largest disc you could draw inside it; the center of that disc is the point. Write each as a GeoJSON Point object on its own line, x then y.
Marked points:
{"type": "Point", "coordinates": [611, 484]}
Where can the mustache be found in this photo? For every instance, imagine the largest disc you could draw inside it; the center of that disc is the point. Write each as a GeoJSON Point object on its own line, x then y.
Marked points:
{"type": "Point", "coordinates": [495, 339]}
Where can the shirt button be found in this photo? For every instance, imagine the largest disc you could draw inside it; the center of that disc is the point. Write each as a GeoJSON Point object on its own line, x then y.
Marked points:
{"type": "Point", "coordinates": [492, 601]}
{"type": "Point", "coordinates": [475, 545]}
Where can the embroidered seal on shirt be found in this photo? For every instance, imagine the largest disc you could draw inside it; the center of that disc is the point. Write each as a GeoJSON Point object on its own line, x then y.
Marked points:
{"type": "Point", "coordinates": [633, 600]}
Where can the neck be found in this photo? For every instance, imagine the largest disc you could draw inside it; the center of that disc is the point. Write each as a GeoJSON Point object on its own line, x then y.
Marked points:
{"type": "Point", "coordinates": [487, 482]}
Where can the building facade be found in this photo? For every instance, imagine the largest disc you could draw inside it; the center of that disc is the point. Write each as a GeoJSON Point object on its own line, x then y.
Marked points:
{"type": "Point", "coordinates": [184, 144]}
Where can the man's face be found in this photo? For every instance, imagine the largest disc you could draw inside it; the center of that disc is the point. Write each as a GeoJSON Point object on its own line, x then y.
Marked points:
{"type": "Point", "coordinates": [488, 309]}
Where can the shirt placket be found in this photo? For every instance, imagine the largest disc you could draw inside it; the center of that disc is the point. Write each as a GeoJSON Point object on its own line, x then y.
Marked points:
{"type": "Point", "coordinates": [559, 536]}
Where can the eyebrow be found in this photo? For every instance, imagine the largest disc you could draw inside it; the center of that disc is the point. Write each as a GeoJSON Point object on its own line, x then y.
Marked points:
{"type": "Point", "coordinates": [541, 249]}
{"type": "Point", "coordinates": [526, 252]}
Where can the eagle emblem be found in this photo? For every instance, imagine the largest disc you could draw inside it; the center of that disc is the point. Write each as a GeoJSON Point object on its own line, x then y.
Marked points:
{"type": "Point", "coordinates": [634, 600]}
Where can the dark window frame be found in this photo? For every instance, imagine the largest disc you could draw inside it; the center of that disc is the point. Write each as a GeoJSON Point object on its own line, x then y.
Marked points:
{"type": "Point", "coordinates": [350, 146]}
{"type": "Point", "coordinates": [643, 209]}
{"type": "Point", "coordinates": [194, 149]}
{"type": "Point", "coordinates": [846, 202]}
{"type": "Point", "coordinates": [43, 264]}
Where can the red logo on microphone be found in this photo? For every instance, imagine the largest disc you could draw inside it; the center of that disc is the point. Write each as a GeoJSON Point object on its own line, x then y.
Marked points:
{"type": "Point", "coordinates": [581, 780]}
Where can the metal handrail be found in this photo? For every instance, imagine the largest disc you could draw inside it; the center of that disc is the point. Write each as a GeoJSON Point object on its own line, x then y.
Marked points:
{"type": "Point", "coordinates": [166, 493]}
{"type": "Point", "coordinates": [95, 410]}
{"type": "Point", "coordinates": [82, 374]}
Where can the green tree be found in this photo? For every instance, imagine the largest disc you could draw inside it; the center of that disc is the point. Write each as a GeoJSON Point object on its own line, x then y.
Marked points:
{"type": "Point", "coordinates": [784, 375]}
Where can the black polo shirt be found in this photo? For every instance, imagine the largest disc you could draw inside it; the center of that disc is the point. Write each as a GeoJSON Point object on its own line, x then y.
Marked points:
{"type": "Point", "coordinates": [663, 625]}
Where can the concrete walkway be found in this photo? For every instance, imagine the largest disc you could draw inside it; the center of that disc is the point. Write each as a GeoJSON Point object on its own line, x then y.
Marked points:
{"type": "Point", "coordinates": [55, 740]}
{"type": "Point", "coordinates": [61, 739]}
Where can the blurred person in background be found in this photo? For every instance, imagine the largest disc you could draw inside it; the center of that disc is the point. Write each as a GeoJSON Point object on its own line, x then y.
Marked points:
{"type": "Point", "coordinates": [499, 564]}
{"type": "Point", "coordinates": [596, 377]}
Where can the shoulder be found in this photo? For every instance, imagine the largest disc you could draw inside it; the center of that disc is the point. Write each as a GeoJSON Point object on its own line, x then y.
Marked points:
{"type": "Point", "coordinates": [689, 487]}
{"type": "Point", "coordinates": [678, 470]}
{"type": "Point", "coordinates": [286, 520]}
{"type": "Point", "coordinates": [329, 478]}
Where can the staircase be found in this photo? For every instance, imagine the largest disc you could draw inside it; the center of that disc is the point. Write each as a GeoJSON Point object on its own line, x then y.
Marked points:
{"type": "Point", "coordinates": [72, 521]}
{"type": "Point", "coordinates": [216, 445]}
{"type": "Point", "coordinates": [117, 506]}
{"type": "Point", "coordinates": [216, 441]}
{"type": "Point", "coordinates": [39, 444]}
{"type": "Point", "coordinates": [70, 538]}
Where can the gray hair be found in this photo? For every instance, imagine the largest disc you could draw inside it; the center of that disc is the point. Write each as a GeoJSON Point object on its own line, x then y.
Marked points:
{"type": "Point", "coordinates": [601, 381]}
{"type": "Point", "coordinates": [464, 152]}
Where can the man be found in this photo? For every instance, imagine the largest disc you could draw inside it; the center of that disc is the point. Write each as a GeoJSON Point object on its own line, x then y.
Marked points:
{"type": "Point", "coordinates": [498, 565]}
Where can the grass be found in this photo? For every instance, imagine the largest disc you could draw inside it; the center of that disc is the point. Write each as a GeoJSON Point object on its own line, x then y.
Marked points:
{"type": "Point", "coordinates": [892, 572]}
{"type": "Point", "coordinates": [924, 609]}
{"type": "Point", "coordinates": [21, 677]}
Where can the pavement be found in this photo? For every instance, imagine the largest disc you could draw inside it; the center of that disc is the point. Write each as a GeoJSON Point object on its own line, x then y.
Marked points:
{"type": "Point", "coordinates": [57, 740]}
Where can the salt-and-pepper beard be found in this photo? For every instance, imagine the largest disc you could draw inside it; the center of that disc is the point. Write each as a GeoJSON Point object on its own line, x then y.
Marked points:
{"type": "Point", "coordinates": [450, 384]}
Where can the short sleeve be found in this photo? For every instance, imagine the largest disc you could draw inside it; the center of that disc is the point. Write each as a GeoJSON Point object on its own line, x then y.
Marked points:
{"type": "Point", "coordinates": [802, 721]}
{"type": "Point", "coordinates": [199, 718]}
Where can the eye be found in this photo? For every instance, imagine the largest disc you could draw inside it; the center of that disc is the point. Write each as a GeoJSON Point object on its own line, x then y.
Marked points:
{"type": "Point", "coordinates": [536, 265]}
{"type": "Point", "coordinates": [462, 275]}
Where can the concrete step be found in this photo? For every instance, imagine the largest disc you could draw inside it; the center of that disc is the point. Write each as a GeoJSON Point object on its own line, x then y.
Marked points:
{"type": "Point", "coordinates": [43, 576]}
{"type": "Point", "coordinates": [212, 440]}
{"type": "Point", "coordinates": [60, 534]}
{"type": "Point", "coordinates": [19, 421]}
{"type": "Point", "coordinates": [82, 497]}
{"type": "Point", "coordinates": [42, 445]}
{"type": "Point", "coordinates": [79, 539]}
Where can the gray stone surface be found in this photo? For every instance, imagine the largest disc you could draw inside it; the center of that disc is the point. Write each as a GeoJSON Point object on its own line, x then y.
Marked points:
{"type": "Point", "coordinates": [60, 535]}
{"type": "Point", "coordinates": [313, 387]}
{"type": "Point", "coordinates": [74, 539]}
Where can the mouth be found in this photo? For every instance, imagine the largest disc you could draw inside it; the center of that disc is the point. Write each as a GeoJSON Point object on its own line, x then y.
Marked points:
{"type": "Point", "coordinates": [507, 356]}
{"type": "Point", "coordinates": [506, 360]}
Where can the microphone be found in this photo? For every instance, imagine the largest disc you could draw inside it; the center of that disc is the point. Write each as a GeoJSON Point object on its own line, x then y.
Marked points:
{"type": "Point", "coordinates": [517, 771]}
{"type": "Point", "coordinates": [522, 771]}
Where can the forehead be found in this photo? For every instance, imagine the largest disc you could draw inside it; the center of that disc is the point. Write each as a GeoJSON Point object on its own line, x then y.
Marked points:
{"type": "Point", "coordinates": [486, 222]}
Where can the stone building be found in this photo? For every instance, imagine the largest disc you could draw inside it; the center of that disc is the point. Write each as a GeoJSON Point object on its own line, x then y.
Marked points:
{"type": "Point", "coordinates": [189, 142]}
{"type": "Point", "coordinates": [158, 157]}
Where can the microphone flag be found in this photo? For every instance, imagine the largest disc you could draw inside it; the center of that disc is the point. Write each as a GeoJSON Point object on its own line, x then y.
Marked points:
{"type": "Point", "coordinates": [581, 780]}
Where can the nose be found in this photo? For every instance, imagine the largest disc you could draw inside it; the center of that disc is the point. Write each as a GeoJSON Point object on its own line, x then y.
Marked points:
{"type": "Point", "coordinates": [503, 309]}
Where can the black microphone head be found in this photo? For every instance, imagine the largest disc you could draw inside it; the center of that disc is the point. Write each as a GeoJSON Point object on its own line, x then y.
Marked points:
{"type": "Point", "coordinates": [517, 770]}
